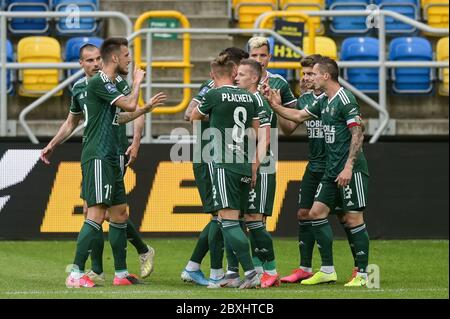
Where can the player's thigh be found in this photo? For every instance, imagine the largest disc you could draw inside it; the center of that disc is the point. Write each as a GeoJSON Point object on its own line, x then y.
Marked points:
{"type": "Point", "coordinates": [232, 189]}
{"type": "Point", "coordinates": [118, 192]}
{"type": "Point", "coordinates": [97, 182]}
{"type": "Point", "coordinates": [261, 198]}
{"type": "Point", "coordinates": [203, 175]}
{"type": "Point", "coordinates": [325, 199]}
{"type": "Point", "coordinates": [118, 213]}
{"type": "Point", "coordinates": [308, 188]}
{"type": "Point", "coordinates": [354, 196]}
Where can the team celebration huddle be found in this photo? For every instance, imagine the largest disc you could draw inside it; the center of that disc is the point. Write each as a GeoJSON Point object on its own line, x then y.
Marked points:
{"type": "Point", "coordinates": [238, 110]}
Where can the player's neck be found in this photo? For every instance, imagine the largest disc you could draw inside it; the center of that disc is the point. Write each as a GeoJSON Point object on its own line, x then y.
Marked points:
{"type": "Point", "coordinates": [332, 89]}
{"type": "Point", "coordinates": [253, 89]}
{"type": "Point", "coordinates": [223, 81]}
{"type": "Point", "coordinates": [110, 71]}
{"type": "Point", "coordinates": [317, 92]}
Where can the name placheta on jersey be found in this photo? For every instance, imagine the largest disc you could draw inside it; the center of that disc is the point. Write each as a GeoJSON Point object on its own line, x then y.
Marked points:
{"type": "Point", "coordinates": [230, 97]}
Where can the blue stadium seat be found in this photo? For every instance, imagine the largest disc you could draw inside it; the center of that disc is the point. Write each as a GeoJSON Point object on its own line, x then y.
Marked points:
{"type": "Point", "coordinates": [74, 25]}
{"type": "Point", "coordinates": [282, 72]}
{"type": "Point", "coordinates": [349, 25]}
{"type": "Point", "coordinates": [9, 58]}
{"type": "Point", "coordinates": [411, 80]}
{"type": "Point", "coordinates": [361, 49]}
{"type": "Point", "coordinates": [408, 8]}
{"type": "Point", "coordinates": [73, 49]}
{"type": "Point", "coordinates": [28, 25]}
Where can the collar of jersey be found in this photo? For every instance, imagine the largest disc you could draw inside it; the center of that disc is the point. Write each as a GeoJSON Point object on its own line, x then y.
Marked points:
{"type": "Point", "coordinates": [228, 86]}
{"type": "Point", "coordinates": [337, 93]}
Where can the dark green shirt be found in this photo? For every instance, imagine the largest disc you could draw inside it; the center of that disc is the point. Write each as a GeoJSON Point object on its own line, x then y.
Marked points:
{"type": "Point", "coordinates": [316, 143]}
{"type": "Point", "coordinates": [231, 112]}
{"type": "Point", "coordinates": [338, 114]}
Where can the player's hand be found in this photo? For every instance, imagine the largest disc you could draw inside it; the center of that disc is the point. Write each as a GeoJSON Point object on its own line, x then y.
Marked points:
{"type": "Point", "coordinates": [132, 153]}
{"type": "Point", "coordinates": [138, 75]}
{"type": "Point", "coordinates": [274, 98]}
{"type": "Point", "coordinates": [45, 154]}
{"type": "Point", "coordinates": [156, 100]}
{"type": "Point", "coordinates": [344, 177]}
{"type": "Point", "coordinates": [265, 88]}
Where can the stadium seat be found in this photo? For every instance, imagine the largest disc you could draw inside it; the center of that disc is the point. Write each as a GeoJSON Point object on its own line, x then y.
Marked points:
{"type": "Point", "coordinates": [36, 82]}
{"type": "Point", "coordinates": [9, 58]}
{"type": "Point", "coordinates": [73, 49]}
{"type": "Point", "coordinates": [442, 55]}
{"type": "Point", "coordinates": [349, 25]}
{"type": "Point", "coordinates": [247, 11]}
{"type": "Point", "coordinates": [411, 80]}
{"type": "Point", "coordinates": [435, 12]}
{"type": "Point", "coordinates": [408, 8]}
{"type": "Point", "coordinates": [76, 26]}
{"type": "Point", "coordinates": [309, 5]}
{"type": "Point", "coordinates": [28, 25]}
{"type": "Point", "coordinates": [323, 45]}
{"type": "Point", "coordinates": [361, 49]}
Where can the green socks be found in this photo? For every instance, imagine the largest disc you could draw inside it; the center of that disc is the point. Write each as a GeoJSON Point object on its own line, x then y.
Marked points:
{"type": "Point", "coordinates": [201, 247]}
{"type": "Point", "coordinates": [262, 245]}
{"type": "Point", "coordinates": [215, 243]}
{"type": "Point", "coordinates": [89, 231]}
{"type": "Point", "coordinates": [306, 242]}
{"type": "Point", "coordinates": [324, 237]}
{"type": "Point", "coordinates": [135, 238]}
{"type": "Point", "coordinates": [118, 242]}
{"type": "Point", "coordinates": [235, 237]}
{"type": "Point", "coordinates": [360, 239]}
{"type": "Point", "coordinates": [97, 252]}
{"type": "Point", "coordinates": [350, 242]}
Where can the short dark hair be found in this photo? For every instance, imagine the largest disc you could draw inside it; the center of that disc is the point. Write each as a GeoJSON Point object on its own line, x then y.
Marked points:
{"type": "Point", "coordinates": [235, 54]}
{"type": "Point", "coordinates": [310, 60]}
{"type": "Point", "coordinates": [222, 66]}
{"type": "Point", "coordinates": [328, 65]}
{"type": "Point", "coordinates": [110, 46]}
{"type": "Point", "coordinates": [254, 65]}
{"type": "Point", "coordinates": [87, 46]}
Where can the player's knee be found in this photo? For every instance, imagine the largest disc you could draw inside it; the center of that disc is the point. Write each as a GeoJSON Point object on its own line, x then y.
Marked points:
{"type": "Point", "coordinates": [253, 217]}
{"type": "Point", "coordinates": [354, 219]}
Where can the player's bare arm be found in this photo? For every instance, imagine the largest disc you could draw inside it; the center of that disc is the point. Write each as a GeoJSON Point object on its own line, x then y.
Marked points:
{"type": "Point", "coordinates": [129, 103]}
{"type": "Point", "coordinates": [69, 125]}
{"type": "Point", "coordinates": [192, 105]}
{"type": "Point", "coordinates": [157, 100]}
{"type": "Point", "coordinates": [356, 142]}
{"type": "Point", "coordinates": [197, 116]}
{"type": "Point", "coordinates": [133, 149]}
{"type": "Point", "coordinates": [297, 116]}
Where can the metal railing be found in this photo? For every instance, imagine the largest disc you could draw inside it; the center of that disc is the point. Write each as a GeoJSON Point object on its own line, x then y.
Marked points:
{"type": "Point", "coordinates": [4, 66]}
{"type": "Point", "coordinates": [382, 64]}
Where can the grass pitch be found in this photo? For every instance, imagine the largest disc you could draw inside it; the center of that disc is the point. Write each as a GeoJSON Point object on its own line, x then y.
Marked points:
{"type": "Point", "coordinates": [408, 269]}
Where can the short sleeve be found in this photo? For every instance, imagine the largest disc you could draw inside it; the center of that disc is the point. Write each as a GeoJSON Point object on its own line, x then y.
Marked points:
{"type": "Point", "coordinates": [204, 88]}
{"type": "Point", "coordinates": [351, 114]}
{"type": "Point", "coordinates": [314, 109]}
{"type": "Point", "coordinates": [105, 90]}
{"type": "Point", "coordinates": [75, 107]}
{"type": "Point", "coordinates": [206, 105]}
{"type": "Point", "coordinates": [286, 94]}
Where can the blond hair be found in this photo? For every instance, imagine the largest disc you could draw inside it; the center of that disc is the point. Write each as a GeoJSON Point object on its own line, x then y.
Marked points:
{"type": "Point", "coordinates": [258, 42]}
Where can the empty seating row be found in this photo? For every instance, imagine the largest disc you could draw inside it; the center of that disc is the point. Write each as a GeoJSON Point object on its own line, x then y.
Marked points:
{"type": "Point", "coordinates": [72, 24]}
{"type": "Point", "coordinates": [37, 49]}
{"type": "Point", "coordinates": [434, 12]}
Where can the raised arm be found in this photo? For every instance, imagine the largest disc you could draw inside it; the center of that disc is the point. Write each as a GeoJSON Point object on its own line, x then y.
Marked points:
{"type": "Point", "coordinates": [129, 103]}
{"type": "Point", "coordinates": [297, 116]}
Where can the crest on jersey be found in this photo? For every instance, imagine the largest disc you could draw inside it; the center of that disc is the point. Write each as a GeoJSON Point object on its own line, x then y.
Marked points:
{"type": "Point", "coordinates": [111, 88]}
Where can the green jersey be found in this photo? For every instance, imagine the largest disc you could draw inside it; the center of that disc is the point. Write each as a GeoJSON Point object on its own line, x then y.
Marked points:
{"type": "Point", "coordinates": [101, 131]}
{"type": "Point", "coordinates": [316, 143]}
{"type": "Point", "coordinates": [266, 118]}
{"type": "Point", "coordinates": [338, 114]}
{"type": "Point", "coordinates": [231, 112]}
{"type": "Point", "coordinates": [276, 81]}
{"type": "Point", "coordinates": [198, 158]}
{"type": "Point", "coordinates": [122, 86]}
{"type": "Point", "coordinates": [78, 95]}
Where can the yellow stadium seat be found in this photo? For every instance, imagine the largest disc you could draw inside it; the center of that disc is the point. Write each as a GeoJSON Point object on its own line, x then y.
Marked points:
{"type": "Point", "coordinates": [442, 55]}
{"type": "Point", "coordinates": [247, 11]}
{"type": "Point", "coordinates": [435, 12]}
{"type": "Point", "coordinates": [305, 5]}
{"type": "Point", "coordinates": [323, 45]}
{"type": "Point", "coordinates": [36, 82]}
